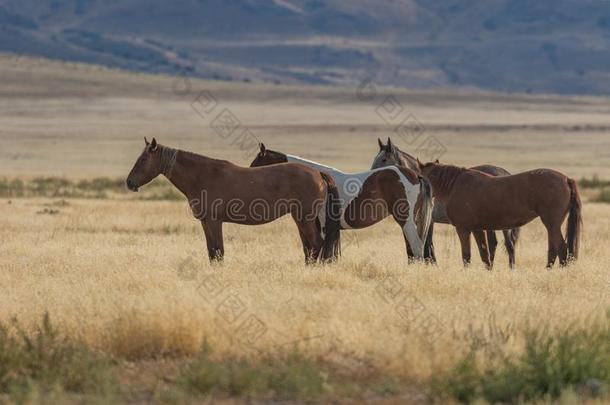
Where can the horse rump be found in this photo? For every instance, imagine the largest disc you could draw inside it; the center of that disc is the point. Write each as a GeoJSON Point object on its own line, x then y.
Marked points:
{"type": "Point", "coordinates": [331, 248]}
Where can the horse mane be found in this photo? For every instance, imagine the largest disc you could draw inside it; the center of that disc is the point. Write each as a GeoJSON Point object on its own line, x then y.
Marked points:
{"type": "Point", "coordinates": [405, 154]}
{"type": "Point", "coordinates": [168, 159]}
{"type": "Point", "coordinates": [404, 158]}
{"type": "Point", "coordinates": [443, 177]}
{"type": "Point", "coordinates": [186, 156]}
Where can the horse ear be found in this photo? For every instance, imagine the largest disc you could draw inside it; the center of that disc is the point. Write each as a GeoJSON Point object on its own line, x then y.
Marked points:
{"type": "Point", "coordinates": [437, 162]}
{"type": "Point", "coordinates": [419, 164]}
{"type": "Point", "coordinates": [380, 144]}
{"type": "Point", "coordinates": [262, 148]}
{"type": "Point", "coordinates": [390, 145]}
{"type": "Point", "coordinates": [153, 145]}
{"type": "Point", "coordinates": [146, 141]}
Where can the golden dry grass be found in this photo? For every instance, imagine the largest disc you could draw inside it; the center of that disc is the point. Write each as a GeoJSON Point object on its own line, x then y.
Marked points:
{"type": "Point", "coordinates": [127, 278]}
{"type": "Point", "coordinates": [131, 277]}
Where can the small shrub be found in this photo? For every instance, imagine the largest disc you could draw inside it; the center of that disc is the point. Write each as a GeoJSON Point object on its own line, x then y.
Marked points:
{"type": "Point", "coordinates": [48, 361]}
{"type": "Point", "coordinates": [12, 188]}
{"type": "Point", "coordinates": [461, 383]}
{"type": "Point", "coordinates": [603, 196]}
{"type": "Point", "coordinates": [290, 377]}
{"type": "Point", "coordinates": [164, 194]}
{"type": "Point", "coordinates": [99, 188]}
{"type": "Point", "coordinates": [100, 184]}
{"type": "Point", "coordinates": [593, 182]}
{"type": "Point", "coordinates": [551, 363]}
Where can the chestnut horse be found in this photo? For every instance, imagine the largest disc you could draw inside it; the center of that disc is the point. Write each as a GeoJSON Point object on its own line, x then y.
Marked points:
{"type": "Point", "coordinates": [476, 201]}
{"type": "Point", "coordinates": [390, 154]}
{"type": "Point", "coordinates": [368, 197]}
{"type": "Point", "coordinates": [219, 191]}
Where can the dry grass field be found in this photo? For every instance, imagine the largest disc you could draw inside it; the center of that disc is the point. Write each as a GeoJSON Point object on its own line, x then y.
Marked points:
{"type": "Point", "coordinates": [127, 274]}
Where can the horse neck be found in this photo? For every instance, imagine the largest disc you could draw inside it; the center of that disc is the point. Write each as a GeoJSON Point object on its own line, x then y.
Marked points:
{"type": "Point", "coordinates": [180, 172]}
{"type": "Point", "coordinates": [408, 160]}
{"type": "Point", "coordinates": [312, 164]}
{"type": "Point", "coordinates": [443, 179]}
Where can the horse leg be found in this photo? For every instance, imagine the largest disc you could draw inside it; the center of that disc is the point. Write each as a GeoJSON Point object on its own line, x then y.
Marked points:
{"type": "Point", "coordinates": [410, 255]}
{"type": "Point", "coordinates": [312, 240]}
{"type": "Point", "coordinates": [509, 243]}
{"type": "Point", "coordinates": [481, 239]}
{"type": "Point", "coordinates": [305, 242]}
{"type": "Point", "coordinates": [464, 235]}
{"type": "Point", "coordinates": [213, 239]}
{"type": "Point", "coordinates": [563, 249]}
{"type": "Point", "coordinates": [492, 243]}
{"type": "Point", "coordinates": [556, 244]}
{"type": "Point", "coordinates": [429, 255]}
{"type": "Point", "coordinates": [409, 230]}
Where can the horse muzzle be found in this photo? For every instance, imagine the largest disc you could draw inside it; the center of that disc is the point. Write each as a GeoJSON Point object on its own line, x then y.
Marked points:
{"type": "Point", "coordinates": [131, 185]}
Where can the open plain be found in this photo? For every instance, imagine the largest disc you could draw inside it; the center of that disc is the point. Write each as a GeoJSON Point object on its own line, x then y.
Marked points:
{"type": "Point", "coordinates": [127, 274]}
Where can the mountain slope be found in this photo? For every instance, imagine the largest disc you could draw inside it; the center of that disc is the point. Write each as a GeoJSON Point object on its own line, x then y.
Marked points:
{"type": "Point", "coordinates": [557, 46]}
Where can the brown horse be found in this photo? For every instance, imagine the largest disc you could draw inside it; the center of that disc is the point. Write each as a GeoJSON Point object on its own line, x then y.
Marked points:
{"type": "Point", "coordinates": [366, 198]}
{"type": "Point", "coordinates": [219, 191]}
{"type": "Point", "coordinates": [476, 201]}
{"type": "Point", "coordinates": [390, 154]}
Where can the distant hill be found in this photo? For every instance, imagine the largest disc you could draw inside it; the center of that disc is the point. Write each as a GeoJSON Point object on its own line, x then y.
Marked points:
{"type": "Point", "coordinates": [542, 46]}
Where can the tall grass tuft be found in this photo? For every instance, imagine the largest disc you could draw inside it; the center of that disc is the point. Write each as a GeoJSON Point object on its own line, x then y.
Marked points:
{"type": "Point", "coordinates": [289, 376]}
{"type": "Point", "coordinates": [603, 196]}
{"type": "Point", "coordinates": [46, 361]}
{"type": "Point", "coordinates": [551, 363]}
{"type": "Point", "coordinates": [593, 182]}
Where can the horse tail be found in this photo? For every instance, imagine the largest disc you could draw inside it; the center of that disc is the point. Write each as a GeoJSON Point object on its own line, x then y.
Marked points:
{"type": "Point", "coordinates": [574, 220]}
{"type": "Point", "coordinates": [331, 248]}
{"type": "Point", "coordinates": [425, 213]}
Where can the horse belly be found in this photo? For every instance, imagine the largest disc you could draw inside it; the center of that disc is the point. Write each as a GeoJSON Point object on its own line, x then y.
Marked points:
{"type": "Point", "coordinates": [503, 222]}
{"type": "Point", "coordinates": [363, 212]}
{"type": "Point", "coordinates": [304, 203]}
{"type": "Point", "coordinates": [490, 214]}
{"type": "Point", "coordinates": [254, 214]}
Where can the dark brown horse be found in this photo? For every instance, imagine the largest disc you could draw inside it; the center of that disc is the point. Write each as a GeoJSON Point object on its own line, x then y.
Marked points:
{"type": "Point", "coordinates": [476, 201]}
{"type": "Point", "coordinates": [366, 198]}
{"type": "Point", "coordinates": [219, 191]}
{"type": "Point", "coordinates": [390, 154]}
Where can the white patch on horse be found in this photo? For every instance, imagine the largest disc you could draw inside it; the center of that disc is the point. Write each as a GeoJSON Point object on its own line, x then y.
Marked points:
{"type": "Point", "coordinates": [355, 181]}
{"type": "Point", "coordinates": [410, 228]}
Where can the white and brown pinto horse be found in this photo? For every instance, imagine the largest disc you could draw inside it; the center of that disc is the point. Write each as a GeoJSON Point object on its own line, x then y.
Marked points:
{"type": "Point", "coordinates": [368, 197]}
{"type": "Point", "coordinates": [219, 191]}
{"type": "Point", "coordinates": [390, 154]}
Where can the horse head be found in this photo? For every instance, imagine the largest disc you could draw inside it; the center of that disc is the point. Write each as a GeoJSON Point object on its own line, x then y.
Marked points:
{"type": "Point", "coordinates": [390, 155]}
{"type": "Point", "coordinates": [267, 157]}
{"type": "Point", "coordinates": [148, 166]}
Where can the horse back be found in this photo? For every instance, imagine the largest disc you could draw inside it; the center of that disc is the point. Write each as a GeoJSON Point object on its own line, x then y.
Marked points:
{"type": "Point", "coordinates": [291, 178]}
{"type": "Point", "coordinates": [492, 170]}
{"type": "Point", "coordinates": [506, 201]}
